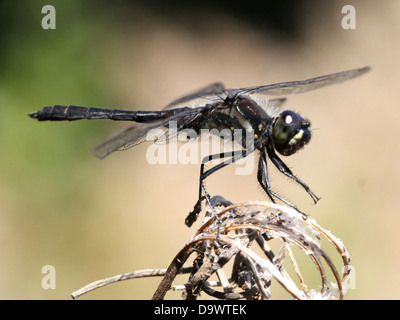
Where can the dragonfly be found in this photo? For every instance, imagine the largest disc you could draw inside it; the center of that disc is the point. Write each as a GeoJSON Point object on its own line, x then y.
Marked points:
{"type": "Point", "coordinates": [249, 110]}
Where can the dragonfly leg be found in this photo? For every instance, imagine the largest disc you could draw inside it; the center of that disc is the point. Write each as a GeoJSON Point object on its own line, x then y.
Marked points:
{"type": "Point", "coordinates": [282, 167]}
{"type": "Point", "coordinates": [262, 177]}
{"type": "Point", "coordinates": [234, 156]}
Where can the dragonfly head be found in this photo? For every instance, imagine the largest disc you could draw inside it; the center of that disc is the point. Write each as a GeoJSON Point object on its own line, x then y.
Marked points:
{"type": "Point", "coordinates": [290, 132]}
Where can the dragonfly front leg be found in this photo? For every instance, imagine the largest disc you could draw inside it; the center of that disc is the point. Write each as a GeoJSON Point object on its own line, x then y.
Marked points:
{"type": "Point", "coordinates": [282, 167]}
{"type": "Point", "coordinates": [262, 177]}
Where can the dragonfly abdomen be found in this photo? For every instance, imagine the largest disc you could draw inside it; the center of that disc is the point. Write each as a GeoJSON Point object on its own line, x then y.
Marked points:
{"type": "Point", "coordinates": [70, 113]}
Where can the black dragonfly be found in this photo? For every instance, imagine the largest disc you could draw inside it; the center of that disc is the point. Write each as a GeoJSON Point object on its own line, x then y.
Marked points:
{"type": "Point", "coordinates": [214, 107]}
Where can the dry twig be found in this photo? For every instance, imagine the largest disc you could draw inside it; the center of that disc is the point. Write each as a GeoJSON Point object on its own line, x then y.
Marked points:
{"type": "Point", "coordinates": [252, 275]}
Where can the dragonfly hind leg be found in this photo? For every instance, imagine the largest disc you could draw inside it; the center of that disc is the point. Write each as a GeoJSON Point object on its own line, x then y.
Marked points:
{"type": "Point", "coordinates": [203, 195]}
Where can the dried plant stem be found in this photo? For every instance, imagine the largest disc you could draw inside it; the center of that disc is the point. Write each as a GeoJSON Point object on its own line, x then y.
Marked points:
{"type": "Point", "coordinates": [228, 234]}
{"type": "Point", "coordinates": [121, 277]}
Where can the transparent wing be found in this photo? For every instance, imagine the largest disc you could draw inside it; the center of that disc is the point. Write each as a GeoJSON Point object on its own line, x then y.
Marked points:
{"type": "Point", "coordinates": [158, 131]}
{"type": "Point", "coordinates": [293, 87]}
{"type": "Point", "coordinates": [141, 132]}
{"type": "Point", "coordinates": [130, 137]}
{"type": "Point", "coordinates": [210, 94]}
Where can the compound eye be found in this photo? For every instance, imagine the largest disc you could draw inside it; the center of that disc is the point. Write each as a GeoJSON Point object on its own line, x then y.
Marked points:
{"type": "Point", "coordinates": [290, 132]}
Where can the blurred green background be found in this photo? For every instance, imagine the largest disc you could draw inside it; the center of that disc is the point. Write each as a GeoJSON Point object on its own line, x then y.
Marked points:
{"type": "Point", "coordinates": [91, 219]}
